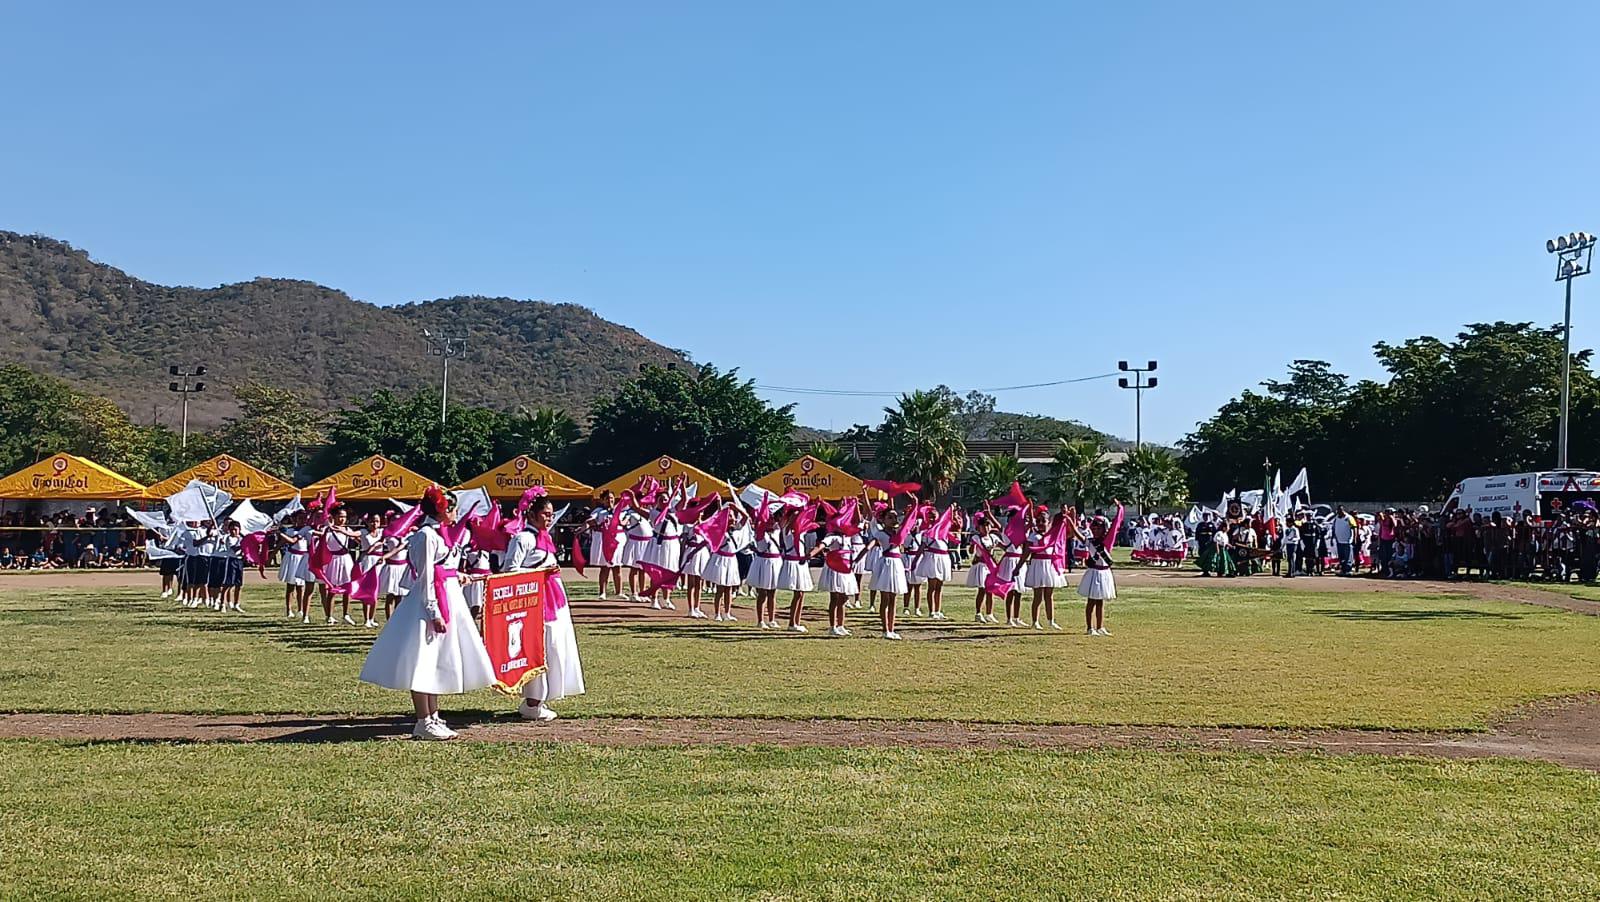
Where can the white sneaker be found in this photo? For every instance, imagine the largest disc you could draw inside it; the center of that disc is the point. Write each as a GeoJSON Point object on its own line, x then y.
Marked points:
{"type": "Point", "coordinates": [348, 620]}
{"type": "Point", "coordinates": [290, 616]}
{"type": "Point", "coordinates": [1090, 632]}
{"type": "Point", "coordinates": [798, 628]}
{"type": "Point", "coordinates": [166, 593]}
{"type": "Point", "coordinates": [669, 605]}
{"type": "Point", "coordinates": [729, 618]}
{"type": "Point", "coordinates": [655, 605]}
{"type": "Point", "coordinates": [332, 621]}
{"type": "Point", "coordinates": [917, 612]}
{"type": "Point", "coordinates": [991, 618]}
{"type": "Point", "coordinates": [603, 597]}
{"type": "Point", "coordinates": [305, 618]}
{"type": "Point", "coordinates": [892, 635]}
{"type": "Point", "coordinates": [838, 631]}
{"type": "Point", "coordinates": [371, 624]}
{"type": "Point", "coordinates": [1054, 625]}
{"type": "Point", "coordinates": [978, 618]}
{"type": "Point", "coordinates": [843, 631]}
{"type": "Point", "coordinates": [438, 721]}
{"type": "Point", "coordinates": [764, 625]}
{"type": "Point", "coordinates": [1102, 631]}
{"type": "Point", "coordinates": [1037, 626]}
{"type": "Point", "coordinates": [537, 711]}
{"type": "Point", "coordinates": [432, 731]}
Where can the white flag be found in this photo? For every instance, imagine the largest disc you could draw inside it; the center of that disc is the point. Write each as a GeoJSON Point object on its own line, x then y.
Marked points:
{"type": "Point", "coordinates": [291, 507]}
{"type": "Point", "coordinates": [157, 523]}
{"type": "Point", "coordinates": [249, 519]}
{"type": "Point", "coordinates": [1299, 485]}
{"type": "Point", "coordinates": [471, 503]}
{"type": "Point", "coordinates": [198, 501]}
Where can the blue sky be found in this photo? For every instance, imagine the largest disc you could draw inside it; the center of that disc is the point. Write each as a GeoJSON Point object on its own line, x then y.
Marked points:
{"type": "Point", "coordinates": [974, 194]}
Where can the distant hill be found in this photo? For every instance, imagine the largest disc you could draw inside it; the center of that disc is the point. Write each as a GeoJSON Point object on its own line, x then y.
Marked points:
{"type": "Point", "coordinates": [64, 314]}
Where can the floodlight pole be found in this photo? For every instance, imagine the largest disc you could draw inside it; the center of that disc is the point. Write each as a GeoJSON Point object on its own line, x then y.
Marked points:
{"type": "Point", "coordinates": [185, 388]}
{"type": "Point", "coordinates": [1139, 385]}
{"type": "Point", "coordinates": [444, 347]}
{"type": "Point", "coordinates": [1574, 256]}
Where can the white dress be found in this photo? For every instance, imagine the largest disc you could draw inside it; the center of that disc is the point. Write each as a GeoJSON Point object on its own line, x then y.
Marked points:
{"type": "Point", "coordinates": [722, 566]}
{"type": "Point", "coordinates": [393, 570]}
{"type": "Point", "coordinates": [696, 554]}
{"type": "Point", "coordinates": [765, 565]}
{"type": "Point", "coordinates": [598, 518]}
{"type": "Point", "coordinates": [914, 558]}
{"type": "Point", "coordinates": [890, 574]}
{"type": "Point", "coordinates": [294, 569]}
{"type": "Point", "coordinates": [666, 550]}
{"type": "Point", "coordinates": [563, 674]}
{"type": "Point", "coordinates": [832, 581]}
{"type": "Point", "coordinates": [795, 573]}
{"type": "Point", "coordinates": [1097, 583]}
{"type": "Point", "coordinates": [636, 538]}
{"type": "Point", "coordinates": [337, 574]}
{"type": "Point", "coordinates": [934, 563]}
{"type": "Point", "coordinates": [408, 654]}
{"type": "Point", "coordinates": [978, 573]}
{"type": "Point", "coordinates": [1042, 572]}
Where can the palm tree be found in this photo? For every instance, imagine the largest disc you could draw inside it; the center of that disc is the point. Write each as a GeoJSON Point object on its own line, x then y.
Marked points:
{"type": "Point", "coordinates": [920, 442]}
{"type": "Point", "coordinates": [1151, 477]}
{"type": "Point", "coordinates": [990, 476]}
{"type": "Point", "coordinates": [829, 453]}
{"type": "Point", "coordinates": [1080, 472]}
{"type": "Point", "coordinates": [543, 433]}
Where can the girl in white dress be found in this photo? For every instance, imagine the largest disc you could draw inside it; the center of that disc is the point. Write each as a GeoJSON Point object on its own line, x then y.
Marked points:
{"type": "Point", "coordinates": [1015, 540]}
{"type": "Point", "coordinates": [889, 579]}
{"type": "Point", "coordinates": [608, 565]}
{"type": "Point", "coordinates": [933, 564]}
{"type": "Point", "coordinates": [1043, 575]}
{"type": "Point", "coordinates": [294, 541]}
{"type": "Point", "coordinates": [721, 570]}
{"type": "Point", "coordinates": [1098, 586]}
{"type": "Point", "coordinates": [563, 676]}
{"type": "Point", "coordinates": [838, 578]}
{"type": "Point", "coordinates": [867, 564]}
{"type": "Point", "coordinates": [764, 567]}
{"type": "Point", "coordinates": [696, 554]}
{"type": "Point", "coordinates": [637, 536]}
{"type": "Point", "coordinates": [914, 579]}
{"type": "Point", "coordinates": [431, 647]}
{"type": "Point", "coordinates": [978, 574]}
{"type": "Point", "coordinates": [794, 575]}
{"type": "Point", "coordinates": [665, 550]}
{"type": "Point", "coordinates": [341, 542]}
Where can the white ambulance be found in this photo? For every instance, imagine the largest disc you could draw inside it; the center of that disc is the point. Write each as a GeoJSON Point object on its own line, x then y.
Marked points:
{"type": "Point", "coordinates": [1542, 493]}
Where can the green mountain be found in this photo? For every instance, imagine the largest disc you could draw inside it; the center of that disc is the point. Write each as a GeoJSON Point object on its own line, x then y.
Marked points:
{"type": "Point", "coordinates": [106, 332]}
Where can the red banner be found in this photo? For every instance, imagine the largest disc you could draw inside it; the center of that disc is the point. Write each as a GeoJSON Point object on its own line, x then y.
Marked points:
{"type": "Point", "coordinates": [513, 627]}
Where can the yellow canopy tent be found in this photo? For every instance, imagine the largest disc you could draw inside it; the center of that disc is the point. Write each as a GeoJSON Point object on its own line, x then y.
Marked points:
{"type": "Point", "coordinates": [373, 479]}
{"type": "Point", "coordinates": [665, 468]}
{"type": "Point", "coordinates": [231, 475]}
{"type": "Point", "coordinates": [66, 477]}
{"type": "Point", "coordinates": [812, 476]}
{"type": "Point", "coordinates": [520, 473]}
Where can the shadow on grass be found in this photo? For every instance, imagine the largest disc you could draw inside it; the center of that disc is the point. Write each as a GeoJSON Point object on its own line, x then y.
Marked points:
{"type": "Point", "coordinates": [314, 636]}
{"type": "Point", "coordinates": [748, 632]}
{"type": "Point", "coordinates": [1409, 616]}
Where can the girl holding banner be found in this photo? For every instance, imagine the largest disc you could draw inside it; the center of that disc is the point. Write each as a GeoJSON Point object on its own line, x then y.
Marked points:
{"type": "Point", "coordinates": [563, 674]}
{"type": "Point", "coordinates": [431, 647]}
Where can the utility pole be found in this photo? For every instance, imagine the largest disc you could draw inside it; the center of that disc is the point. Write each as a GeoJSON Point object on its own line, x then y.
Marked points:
{"type": "Point", "coordinates": [1139, 384]}
{"type": "Point", "coordinates": [1574, 256]}
{"type": "Point", "coordinates": [186, 388]}
{"type": "Point", "coordinates": [444, 347]}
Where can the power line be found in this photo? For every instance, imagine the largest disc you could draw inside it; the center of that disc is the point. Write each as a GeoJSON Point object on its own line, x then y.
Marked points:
{"type": "Point", "coordinates": [855, 393]}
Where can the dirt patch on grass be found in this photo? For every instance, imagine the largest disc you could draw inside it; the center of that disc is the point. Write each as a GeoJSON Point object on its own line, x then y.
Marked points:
{"type": "Point", "coordinates": [1563, 731]}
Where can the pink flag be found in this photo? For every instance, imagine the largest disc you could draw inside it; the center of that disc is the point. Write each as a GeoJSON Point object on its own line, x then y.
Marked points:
{"type": "Point", "coordinates": [941, 527]}
{"type": "Point", "coordinates": [992, 583]}
{"type": "Point", "coordinates": [254, 549]}
{"type": "Point", "coordinates": [907, 525]}
{"type": "Point", "coordinates": [365, 588]}
{"type": "Point", "coordinates": [486, 532]}
{"type": "Point", "coordinates": [403, 523]}
{"type": "Point", "coordinates": [843, 520]}
{"type": "Point", "coordinates": [611, 536]}
{"type": "Point", "coordinates": [893, 488]}
{"type": "Point", "coordinates": [660, 577]}
{"type": "Point", "coordinates": [716, 529]}
{"type": "Point", "coordinates": [578, 562]}
{"type": "Point", "coordinates": [1011, 500]}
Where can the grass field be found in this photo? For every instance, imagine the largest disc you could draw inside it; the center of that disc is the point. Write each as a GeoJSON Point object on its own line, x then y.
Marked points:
{"type": "Point", "coordinates": [1228, 656]}
{"type": "Point", "coordinates": [393, 818]}
{"type": "Point", "coordinates": [397, 819]}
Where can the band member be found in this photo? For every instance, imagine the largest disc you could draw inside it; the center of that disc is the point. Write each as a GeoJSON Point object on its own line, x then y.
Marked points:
{"type": "Point", "coordinates": [1098, 586]}
{"type": "Point", "coordinates": [534, 549]}
{"type": "Point", "coordinates": [294, 540]}
{"type": "Point", "coordinates": [983, 536]}
{"type": "Point", "coordinates": [339, 542]}
{"type": "Point", "coordinates": [608, 565]}
{"type": "Point", "coordinates": [431, 647]}
{"type": "Point", "coordinates": [227, 568]}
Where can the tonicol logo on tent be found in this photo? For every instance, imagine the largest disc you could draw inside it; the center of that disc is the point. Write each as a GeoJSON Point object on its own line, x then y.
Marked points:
{"type": "Point", "coordinates": [59, 465]}
{"type": "Point", "coordinates": [224, 465]}
{"type": "Point", "coordinates": [520, 464]}
{"type": "Point", "coordinates": [377, 465]}
{"type": "Point", "coordinates": [665, 463]}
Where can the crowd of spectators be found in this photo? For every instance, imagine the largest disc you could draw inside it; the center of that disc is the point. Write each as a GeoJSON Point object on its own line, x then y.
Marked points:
{"type": "Point", "coordinates": [1562, 546]}
{"type": "Point", "coordinates": [97, 538]}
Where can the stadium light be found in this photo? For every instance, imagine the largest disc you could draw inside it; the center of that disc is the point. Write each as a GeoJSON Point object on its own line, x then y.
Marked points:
{"type": "Point", "coordinates": [444, 347]}
{"type": "Point", "coordinates": [1574, 257]}
{"type": "Point", "coordinates": [1139, 384]}
{"type": "Point", "coordinates": [185, 388]}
